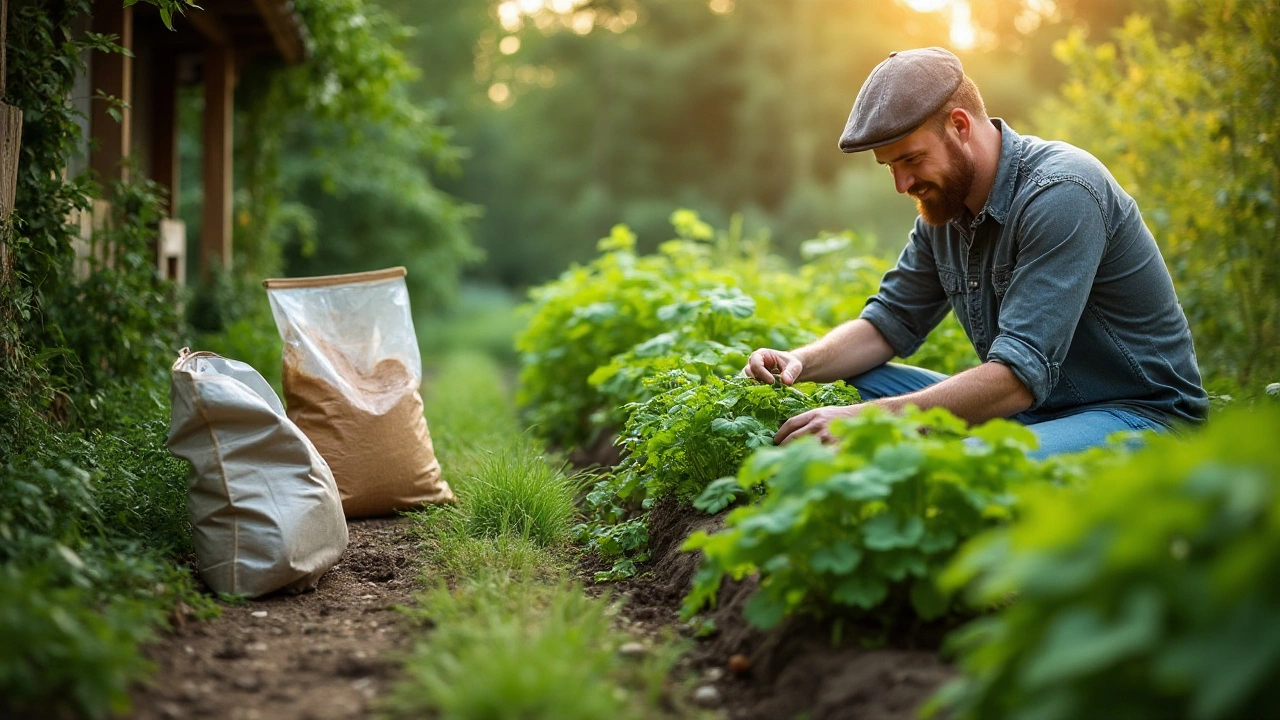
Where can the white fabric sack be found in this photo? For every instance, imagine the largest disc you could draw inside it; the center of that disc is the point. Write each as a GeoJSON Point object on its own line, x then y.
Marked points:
{"type": "Point", "coordinates": [263, 504]}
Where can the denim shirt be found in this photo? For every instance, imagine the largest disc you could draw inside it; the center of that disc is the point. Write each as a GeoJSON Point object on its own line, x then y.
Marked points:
{"type": "Point", "coordinates": [1057, 278]}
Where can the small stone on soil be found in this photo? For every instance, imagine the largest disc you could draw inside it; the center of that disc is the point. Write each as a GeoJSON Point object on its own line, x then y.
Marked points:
{"type": "Point", "coordinates": [247, 684]}
{"type": "Point", "coordinates": [259, 613]}
{"type": "Point", "coordinates": [632, 650]}
{"type": "Point", "coordinates": [706, 696]}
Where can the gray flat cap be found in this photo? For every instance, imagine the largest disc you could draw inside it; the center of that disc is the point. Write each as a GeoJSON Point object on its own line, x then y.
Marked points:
{"type": "Point", "coordinates": [899, 95]}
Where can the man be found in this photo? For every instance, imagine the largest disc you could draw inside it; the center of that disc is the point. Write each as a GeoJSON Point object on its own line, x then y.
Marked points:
{"type": "Point", "coordinates": [1044, 258]}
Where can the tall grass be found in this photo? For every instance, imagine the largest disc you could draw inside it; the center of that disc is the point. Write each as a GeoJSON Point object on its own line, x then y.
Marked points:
{"type": "Point", "coordinates": [512, 635]}
{"type": "Point", "coordinates": [504, 647]}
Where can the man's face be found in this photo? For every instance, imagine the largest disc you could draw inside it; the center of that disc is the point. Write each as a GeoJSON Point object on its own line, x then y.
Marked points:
{"type": "Point", "coordinates": [934, 169]}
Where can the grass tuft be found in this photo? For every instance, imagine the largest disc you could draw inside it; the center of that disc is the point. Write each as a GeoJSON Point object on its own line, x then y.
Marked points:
{"type": "Point", "coordinates": [505, 647]}
{"type": "Point", "coordinates": [514, 491]}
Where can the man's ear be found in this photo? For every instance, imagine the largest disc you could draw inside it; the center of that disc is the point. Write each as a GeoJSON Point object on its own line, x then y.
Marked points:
{"type": "Point", "coordinates": [962, 121]}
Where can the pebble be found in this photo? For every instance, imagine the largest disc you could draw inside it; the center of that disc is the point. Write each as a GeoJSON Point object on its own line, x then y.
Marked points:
{"type": "Point", "coordinates": [247, 684]}
{"type": "Point", "coordinates": [632, 650]}
{"type": "Point", "coordinates": [713, 674]}
{"type": "Point", "coordinates": [706, 696]}
{"type": "Point", "coordinates": [259, 613]}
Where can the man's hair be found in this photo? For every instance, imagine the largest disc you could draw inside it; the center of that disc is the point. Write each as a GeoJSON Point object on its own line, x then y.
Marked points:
{"type": "Point", "coordinates": [967, 97]}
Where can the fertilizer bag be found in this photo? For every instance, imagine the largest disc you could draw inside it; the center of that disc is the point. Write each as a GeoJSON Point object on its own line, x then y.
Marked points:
{"type": "Point", "coordinates": [264, 508]}
{"type": "Point", "coordinates": [351, 375]}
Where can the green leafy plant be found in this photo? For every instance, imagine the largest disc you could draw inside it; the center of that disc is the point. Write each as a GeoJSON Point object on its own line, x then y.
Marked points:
{"type": "Point", "coordinates": [696, 430]}
{"type": "Point", "coordinates": [866, 524]}
{"type": "Point", "coordinates": [1148, 592]}
{"type": "Point", "coordinates": [587, 316]}
{"type": "Point", "coordinates": [713, 335]}
{"type": "Point", "coordinates": [681, 442]}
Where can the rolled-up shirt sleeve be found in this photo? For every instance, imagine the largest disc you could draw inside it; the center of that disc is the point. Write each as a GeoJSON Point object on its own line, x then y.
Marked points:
{"type": "Point", "coordinates": [911, 301]}
{"type": "Point", "coordinates": [1061, 240]}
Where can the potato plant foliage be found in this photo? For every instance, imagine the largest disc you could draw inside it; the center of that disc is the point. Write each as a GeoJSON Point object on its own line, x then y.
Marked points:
{"type": "Point", "coordinates": [869, 523]}
{"type": "Point", "coordinates": [701, 303]}
{"type": "Point", "coordinates": [1150, 592]}
{"type": "Point", "coordinates": [690, 435]}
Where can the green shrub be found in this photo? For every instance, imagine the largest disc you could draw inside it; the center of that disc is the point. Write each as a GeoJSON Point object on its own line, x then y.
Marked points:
{"type": "Point", "coordinates": [77, 594]}
{"type": "Point", "coordinates": [580, 321]}
{"type": "Point", "coordinates": [1147, 593]}
{"type": "Point", "coordinates": [868, 523]}
{"type": "Point", "coordinates": [712, 336]}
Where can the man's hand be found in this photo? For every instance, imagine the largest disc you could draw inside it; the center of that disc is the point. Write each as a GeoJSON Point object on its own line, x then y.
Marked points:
{"type": "Point", "coordinates": [765, 363]}
{"type": "Point", "coordinates": [815, 422]}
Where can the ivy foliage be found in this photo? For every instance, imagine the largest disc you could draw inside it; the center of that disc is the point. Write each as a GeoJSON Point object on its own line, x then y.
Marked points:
{"type": "Point", "coordinates": [335, 143]}
{"type": "Point", "coordinates": [868, 523]}
{"type": "Point", "coordinates": [1148, 592]}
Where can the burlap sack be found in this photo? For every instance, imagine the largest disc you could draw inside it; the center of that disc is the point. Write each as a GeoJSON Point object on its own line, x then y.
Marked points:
{"type": "Point", "coordinates": [351, 375]}
{"type": "Point", "coordinates": [263, 504]}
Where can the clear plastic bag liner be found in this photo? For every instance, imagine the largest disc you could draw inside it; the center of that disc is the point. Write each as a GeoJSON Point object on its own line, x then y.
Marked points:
{"type": "Point", "coordinates": [351, 375]}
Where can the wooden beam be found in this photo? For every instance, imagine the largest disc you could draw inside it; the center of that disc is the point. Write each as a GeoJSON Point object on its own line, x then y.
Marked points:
{"type": "Point", "coordinates": [10, 145]}
{"type": "Point", "coordinates": [208, 25]}
{"type": "Point", "coordinates": [164, 124]}
{"type": "Point", "coordinates": [112, 75]}
{"type": "Point", "coordinates": [4, 35]}
{"type": "Point", "coordinates": [285, 29]}
{"type": "Point", "coordinates": [219, 97]}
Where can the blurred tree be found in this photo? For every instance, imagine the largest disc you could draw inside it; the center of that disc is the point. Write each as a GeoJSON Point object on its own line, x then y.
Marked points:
{"type": "Point", "coordinates": [582, 113]}
{"type": "Point", "coordinates": [337, 165]}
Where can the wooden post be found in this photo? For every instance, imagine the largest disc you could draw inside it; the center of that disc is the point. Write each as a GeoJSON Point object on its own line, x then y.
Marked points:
{"type": "Point", "coordinates": [219, 97]}
{"type": "Point", "coordinates": [10, 144]}
{"type": "Point", "coordinates": [164, 125]}
{"type": "Point", "coordinates": [112, 75]}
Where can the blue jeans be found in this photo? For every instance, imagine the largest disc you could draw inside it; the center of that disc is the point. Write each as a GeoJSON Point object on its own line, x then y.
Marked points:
{"type": "Point", "coordinates": [1085, 429]}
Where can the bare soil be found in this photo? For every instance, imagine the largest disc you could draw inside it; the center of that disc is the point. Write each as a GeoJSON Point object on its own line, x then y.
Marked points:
{"type": "Point", "coordinates": [799, 669]}
{"type": "Point", "coordinates": [321, 655]}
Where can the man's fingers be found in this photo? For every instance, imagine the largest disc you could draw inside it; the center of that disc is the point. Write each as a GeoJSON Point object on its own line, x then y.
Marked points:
{"type": "Point", "coordinates": [791, 371]}
{"type": "Point", "coordinates": [793, 426]}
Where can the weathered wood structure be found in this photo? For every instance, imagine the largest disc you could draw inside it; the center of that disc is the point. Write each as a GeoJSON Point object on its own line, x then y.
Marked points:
{"type": "Point", "coordinates": [10, 143]}
{"type": "Point", "coordinates": [207, 47]}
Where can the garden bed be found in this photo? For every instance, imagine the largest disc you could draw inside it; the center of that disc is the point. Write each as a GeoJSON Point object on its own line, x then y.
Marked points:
{"type": "Point", "coordinates": [794, 669]}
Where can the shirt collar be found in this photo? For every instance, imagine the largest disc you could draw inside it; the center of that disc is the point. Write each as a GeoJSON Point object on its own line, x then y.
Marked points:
{"type": "Point", "coordinates": [1001, 195]}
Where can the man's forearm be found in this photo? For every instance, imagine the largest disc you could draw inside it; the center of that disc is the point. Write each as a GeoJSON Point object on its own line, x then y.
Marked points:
{"type": "Point", "coordinates": [988, 391]}
{"type": "Point", "coordinates": [850, 349]}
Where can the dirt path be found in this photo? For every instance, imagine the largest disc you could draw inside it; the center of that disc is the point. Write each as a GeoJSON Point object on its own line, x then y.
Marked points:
{"type": "Point", "coordinates": [319, 656]}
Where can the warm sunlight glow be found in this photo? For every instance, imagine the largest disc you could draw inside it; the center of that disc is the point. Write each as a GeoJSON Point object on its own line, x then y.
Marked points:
{"type": "Point", "coordinates": [963, 33]}
{"type": "Point", "coordinates": [721, 6]}
{"type": "Point", "coordinates": [583, 21]}
{"type": "Point", "coordinates": [509, 16]}
{"type": "Point", "coordinates": [509, 45]}
{"type": "Point", "coordinates": [499, 92]}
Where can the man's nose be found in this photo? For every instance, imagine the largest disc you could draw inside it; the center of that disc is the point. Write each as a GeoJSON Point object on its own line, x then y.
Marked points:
{"type": "Point", "coordinates": [903, 180]}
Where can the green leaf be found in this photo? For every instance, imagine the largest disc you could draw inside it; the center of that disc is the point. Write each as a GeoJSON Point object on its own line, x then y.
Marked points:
{"type": "Point", "coordinates": [840, 558]}
{"type": "Point", "coordinates": [928, 601]}
{"type": "Point", "coordinates": [719, 495]}
{"type": "Point", "coordinates": [887, 532]}
{"type": "Point", "coordinates": [1081, 641]}
{"type": "Point", "coordinates": [860, 592]}
{"type": "Point", "coordinates": [764, 610]}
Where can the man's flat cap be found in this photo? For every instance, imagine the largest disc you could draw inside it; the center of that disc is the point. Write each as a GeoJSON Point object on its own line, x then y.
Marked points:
{"type": "Point", "coordinates": [899, 95]}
